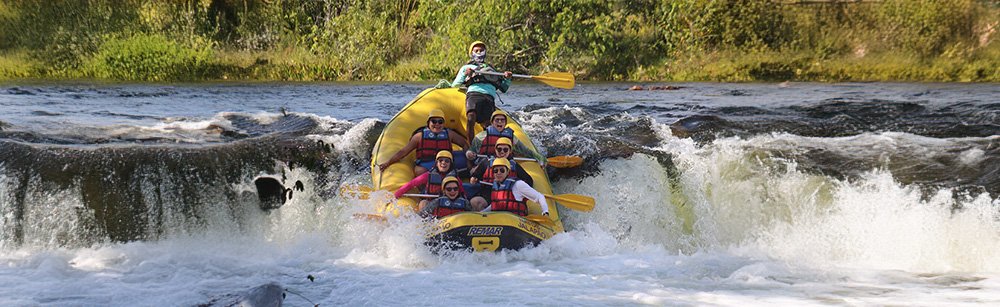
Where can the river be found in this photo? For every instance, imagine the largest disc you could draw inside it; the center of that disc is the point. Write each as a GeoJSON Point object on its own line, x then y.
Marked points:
{"type": "Point", "coordinates": [708, 194]}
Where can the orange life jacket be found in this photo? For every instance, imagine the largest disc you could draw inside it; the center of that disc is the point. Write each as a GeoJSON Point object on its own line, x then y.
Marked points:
{"type": "Point", "coordinates": [489, 146]}
{"type": "Point", "coordinates": [431, 143]}
{"type": "Point", "coordinates": [488, 174]}
{"type": "Point", "coordinates": [446, 207]}
{"type": "Point", "coordinates": [502, 198]}
{"type": "Point", "coordinates": [434, 179]}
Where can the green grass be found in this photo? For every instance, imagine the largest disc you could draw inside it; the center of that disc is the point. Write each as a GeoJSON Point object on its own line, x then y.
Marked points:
{"type": "Point", "coordinates": [425, 40]}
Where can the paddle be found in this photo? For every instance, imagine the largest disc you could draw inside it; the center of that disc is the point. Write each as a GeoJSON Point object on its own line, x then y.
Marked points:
{"type": "Point", "coordinates": [574, 201]}
{"type": "Point", "coordinates": [360, 191]}
{"type": "Point", "coordinates": [563, 80]}
{"type": "Point", "coordinates": [556, 162]}
{"type": "Point", "coordinates": [541, 219]}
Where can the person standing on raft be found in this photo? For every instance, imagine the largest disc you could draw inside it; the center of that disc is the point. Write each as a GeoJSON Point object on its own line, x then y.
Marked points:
{"type": "Point", "coordinates": [480, 98]}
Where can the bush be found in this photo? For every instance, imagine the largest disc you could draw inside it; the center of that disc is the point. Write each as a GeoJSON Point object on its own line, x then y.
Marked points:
{"type": "Point", "coordinates": [148, 57]}
{"type": "Point", "coordinates": [924, 27]}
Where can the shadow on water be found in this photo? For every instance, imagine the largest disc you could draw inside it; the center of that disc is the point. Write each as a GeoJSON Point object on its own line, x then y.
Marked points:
{"type": "Point", "coordinates": [844, 117]}
{"type": "Point", "coordinates": [970, 165]}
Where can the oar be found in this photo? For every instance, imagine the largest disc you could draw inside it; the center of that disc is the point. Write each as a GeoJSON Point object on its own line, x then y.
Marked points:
{"type": "Point", "coordinates": [554, 79]}
{"type": "Point", "coordinates": [421, 195]}
{"type": "Point", "coordinates": [556, 162]}
{"type": "Point", "coordinates": [574, 201]}
{"type": "Point", "coordinates": [363, 191]}
{"type": "Point", "coordinates": [360, 190]}
{"type": "Point", "coordinates": [541, 219]}
{"type": "Point", "coordinates": [564, 161]}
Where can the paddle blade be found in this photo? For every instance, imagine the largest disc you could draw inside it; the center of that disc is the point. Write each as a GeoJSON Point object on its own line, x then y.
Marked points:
{"type": "Point", "coordinates": [557, 79]}
{"type": "Point", "coordinates": [574, 201]}
{"type": "Point", "coordinates": [541, 219]}
{"type": "Point", "coordinates": [564, 161]}
{"type": "Point", "coordinates": [356, 191]}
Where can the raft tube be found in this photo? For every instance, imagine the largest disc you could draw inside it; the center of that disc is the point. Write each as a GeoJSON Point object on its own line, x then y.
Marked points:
{"type": "Point", "coordinates": [481, 231]}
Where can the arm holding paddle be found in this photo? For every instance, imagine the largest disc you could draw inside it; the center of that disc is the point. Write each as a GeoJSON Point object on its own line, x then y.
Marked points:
{"type": "Point", "coordinates": [526, 191]}
{"type": "Point", "coordinates": [562, 80]}
{"type": "Point", "coordinates": [523, 150]}
{"type": "Point", "coordinates": [556, 162]}
{"type": "Point", "coordinates": [416, 182]}
{"type": "Point", "coordinates": [468, 70]}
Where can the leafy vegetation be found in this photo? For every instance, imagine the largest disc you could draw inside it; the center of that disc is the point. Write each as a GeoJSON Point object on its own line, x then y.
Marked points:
{"type": "Point", "coordinates": [680, 40]}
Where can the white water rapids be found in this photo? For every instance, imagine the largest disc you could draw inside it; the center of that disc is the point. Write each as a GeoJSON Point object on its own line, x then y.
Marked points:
{"type": "Point", "coordinates": [760, 232]}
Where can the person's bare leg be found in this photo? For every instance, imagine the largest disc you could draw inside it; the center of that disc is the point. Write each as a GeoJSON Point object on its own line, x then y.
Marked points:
{"type": "Point", "coordinates": [417, 170]}
{"type": "Point", "coordinates": [422, 206]}
{"type": "Point", "coordinates": [478, 203]}
{"type": "Point", "coordinates": [470, 125]}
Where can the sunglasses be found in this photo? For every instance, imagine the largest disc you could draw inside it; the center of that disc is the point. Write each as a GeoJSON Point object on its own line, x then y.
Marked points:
{"type": "Point", "coordinates": [451, 189]}
{"type": "Point", "coordinates": [437, 121]}
{"type": "Point", "coordinates": [499, 170]}
{"type": "Point", "coordinates": [502, 149]}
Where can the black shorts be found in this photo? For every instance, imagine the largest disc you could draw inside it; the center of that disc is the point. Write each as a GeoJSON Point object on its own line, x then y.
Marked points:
{"type": "Point", "coordinates": [482, 104]}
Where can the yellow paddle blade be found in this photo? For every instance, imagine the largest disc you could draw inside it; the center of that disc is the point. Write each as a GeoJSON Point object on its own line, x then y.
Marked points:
{"type": "Point", "coordinates": [574, 201]}
{"type": "Point", "coordinates": [541, 219]}
{"type": "Point", "coordinates": [564, 161]}
{"type": "Point", "coordinates": [358, 191]}
{"type": "Point", "coordinates": [557, 79]}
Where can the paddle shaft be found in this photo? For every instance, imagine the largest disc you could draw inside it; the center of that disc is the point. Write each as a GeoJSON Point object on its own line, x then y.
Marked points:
{"type": "Point", "coordinates": [515, 159]}
{"type": "Point", "coordinates": [421, 195]}
{"type": "Point", "coordinates": [556, 162]}
{"type": "Point", "coordinates": [501, 74]}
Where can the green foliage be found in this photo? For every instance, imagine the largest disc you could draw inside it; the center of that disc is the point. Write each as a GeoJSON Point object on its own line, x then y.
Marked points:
{"type": "Point", "coordinates": [65, 32]}
{"type": "Point", "coordinates": [924, 27]}
{"type": "Point", "coordinates": [15, 65]}
{"type": "Point", "coordinates": [722, 40]}
{"type": "Point", "coordinates": [743, 24]}
{"type": "Point", "coordinates": [151, 58]}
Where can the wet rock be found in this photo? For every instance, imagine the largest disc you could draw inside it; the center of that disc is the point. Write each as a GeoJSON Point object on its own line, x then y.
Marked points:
{"type": "Point", "coordinates": [267, 295]}
{"type": "Point", "coordinates": [271, 192]}
{"type": "Point", "coordinates": [655, 88]}
{"type": "Point", "coordinates": [19, 91]}
{"type": "Point", "coordinates": [137, 192]}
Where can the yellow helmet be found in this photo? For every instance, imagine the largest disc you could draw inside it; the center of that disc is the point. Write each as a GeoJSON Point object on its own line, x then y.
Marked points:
{"type": "Point", "coordinates": [474, 45]}
{"type": "Point", "coordinates": [504, 141]}
{"type": "Point", "coordinates": [449, 179]}
{"type": "Point", "coordinates": [435, 113]}
{"type": "Point", "coordinates": [445, 154]}
{"type": "Point", "coordinates": [501, 162]}
{"type": "Point", "coordinates": [497, 112]}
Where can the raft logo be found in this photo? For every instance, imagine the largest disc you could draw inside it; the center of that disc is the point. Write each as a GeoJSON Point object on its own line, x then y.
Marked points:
{"type": "Point", "coordinates": [485, 231]}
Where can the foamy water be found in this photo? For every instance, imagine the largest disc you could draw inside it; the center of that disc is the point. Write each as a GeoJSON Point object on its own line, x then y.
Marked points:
{"type": "Point", "coordinates": [735, 221]}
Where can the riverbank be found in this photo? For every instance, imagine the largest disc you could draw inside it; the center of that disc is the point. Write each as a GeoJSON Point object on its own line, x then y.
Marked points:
{"type": "Point", "coordinates": [304, 40]}
{"type": "Point", "coordinates": [771, 67]}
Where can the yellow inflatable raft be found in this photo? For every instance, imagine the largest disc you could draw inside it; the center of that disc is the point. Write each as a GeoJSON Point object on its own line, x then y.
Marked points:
{"type": "Point", "coordinates": [481, 231]}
